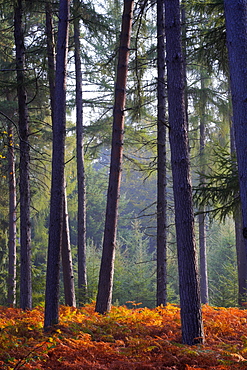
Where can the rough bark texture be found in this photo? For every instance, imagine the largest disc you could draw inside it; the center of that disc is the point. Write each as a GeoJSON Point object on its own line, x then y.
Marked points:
{"type": "Point", "coordinates": [184, 53]}
{"type": "Point", "coordinates": [57, 186]}
{"type": "Point", "coordinates": [104, 296]}
{"type": "Point", "coordinates": [12, 219]}
{"type": "Point", "coordinates": [81, 215]}
{"type": "Point", "coordinates": [203, 258]}
{"type": "Point", "coordinates": [161, 149]}
{"type": "Point", "coordinates": [25, 224]}
{"type": "Point", "coordinates": [50, 53]}
{"type": "Point", "coordinates": [241, 245]}
{"type": "Point", "coordinates": [68, 275]}
{"type": "Point", "coordinates": [241, 242]}
{"type": "Point", "coordinates": [236, 32]}
{"type": "Point", "coordinates": [201, 217]}
{"type": "Point", "coordinates": [191, 316]}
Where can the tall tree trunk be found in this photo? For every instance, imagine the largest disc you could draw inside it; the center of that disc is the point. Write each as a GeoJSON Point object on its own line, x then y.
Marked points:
{"type": "Point", "coordinates": [184, 52]}
{"type": "Point", "coordinates": [68, 276]}
{"type": "Point", "coordinates": [81, 215]}
{"type": "Point", "coordinates": [12, 219]}
{"type": "Point", "coordinates": [201, 217]}
{"type": "Point", "coordinates": [161, 172]}
{"type": "Point", "coordinates": [236, 26]}
{"type": "Point", "coordinates": [25, 224]}
{"type": "Point", "coordinates": [50, 53]}
{"type": "Point", "coordinates": [241, 242]}
{"type": "Point", "coordinates": [241, 245]}
{"type": "Point", "coordinates": [57, 186]}
{"type": "Point", "coordinates": [104, 296]}
{"type": "Point", "coordinates": [191, 316]}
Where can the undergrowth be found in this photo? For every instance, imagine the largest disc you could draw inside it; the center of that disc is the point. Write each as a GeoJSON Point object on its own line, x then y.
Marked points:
{"type": "Point", "coordinates": [136, 339]}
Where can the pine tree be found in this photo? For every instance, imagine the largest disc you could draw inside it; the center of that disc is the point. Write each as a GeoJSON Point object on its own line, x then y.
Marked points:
{"type": "Point", "coordinates": [201, 216]}
{"type": "Point", "coordinates": [104, 297]}
{"type": "Point", "coordinates": [161, 149]}
{"type": "Point", "coordinates": [68, 275]}
{"type": "Point", "coordinates": [81, 213]}
{"type": "Point", "coordinates": [12, 218]}
{"type": "Point", "coordinates": [25, 223]}
{"type": "Point", "coordinates": [57, 186]}
{"type": "Point", "coordinates": [236, 25]}
{"type": "Point", "coordinates": [191, 316]}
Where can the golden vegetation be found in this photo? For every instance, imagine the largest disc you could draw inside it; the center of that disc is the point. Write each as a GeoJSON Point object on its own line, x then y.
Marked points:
{"type": "Point", "coordinates": [136, 339]}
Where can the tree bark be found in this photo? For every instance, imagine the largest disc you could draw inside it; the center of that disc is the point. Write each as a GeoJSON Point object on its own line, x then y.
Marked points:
{"type": "Point", "coordinates": [241, 242]}
{"type": "Point", "coordinates": [50, 54]}
{"type": "Point", "coordinates": [191, 316]}
{"type": "Point", "coordinates": [201, 217]}
{"type": "Point", "coordinates": [81, 214]}
{"type": "Point", "coordinates": [236, 32]}
{"type": "Point", "coordinates": [161, 295]}
{"type": "Point", "coordinates": [25, 224]}
{"type": "Point", "coordinates": [57, 185]}
{"type": "Point", "coordinates": [104, 296]}
{"type": "Point", "coordinates": [184, 53]}
{"type": "Point", "coordinates": [12, 219]}
{"type": "Point", "coordinates": [241, 245]}
{"type": "Point", "coordinates": [68, 275]}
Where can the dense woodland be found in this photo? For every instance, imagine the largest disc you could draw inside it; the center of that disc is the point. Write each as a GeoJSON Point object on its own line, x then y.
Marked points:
{"type": "Point", "coordinates": [78, 203]}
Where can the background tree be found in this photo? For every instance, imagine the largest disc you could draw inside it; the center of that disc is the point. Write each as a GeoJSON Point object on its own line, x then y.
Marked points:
{"type": "Point", "coordinates": [68, 275]}
{"type": "Point", "coordinates": [161, 159]}
{"type": "Point", "coordinates": [25, 223]}
{"type": "Point", "coordinates": [202, 215]}
{"type": "Point", "coordinates": [81, 215]}
{"type": "Point", "coordinates": [12, 218]}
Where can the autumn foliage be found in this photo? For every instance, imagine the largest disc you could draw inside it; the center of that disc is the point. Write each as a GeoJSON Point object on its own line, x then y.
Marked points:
{"type": "Point", "coordinates": [137, 339]}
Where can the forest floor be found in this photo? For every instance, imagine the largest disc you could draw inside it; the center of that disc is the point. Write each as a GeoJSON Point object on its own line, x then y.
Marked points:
{"type": "Point", "coordinates": [136, 339]}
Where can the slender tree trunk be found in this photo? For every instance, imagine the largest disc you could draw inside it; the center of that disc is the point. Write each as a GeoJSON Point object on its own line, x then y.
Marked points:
{"type": "Point", "coordinates": [241, 245]}
{"type": "Point", "coordinates": [12, 219]}
{"type": "Point", "coordinates": [203, 258]}
{"type": "Point", "coordinates": [57, 186]}
{"type": "Point", "coordinates": [50, 54]}
{"type": "Point", "coordinates": [25, 224]}
{"type": "Point", "coordinates": [161, 148]}
{"type": "Point", "coordinates": [241, 242]}
{"type": "Point", "coordinates": [191, 316]}
{"type": "Point", "coordinates": [81, 215]}
{"type": "Point", "coordinates": [201, 217]}
{"type": "Point", "coordinates": [104, 297]}
{"type": "Point", "coordinates": [184, 52]}
{"type": "Point", "coordinates": [68, 276]}
{"type": "Point", "coordinates": [236, 32]}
